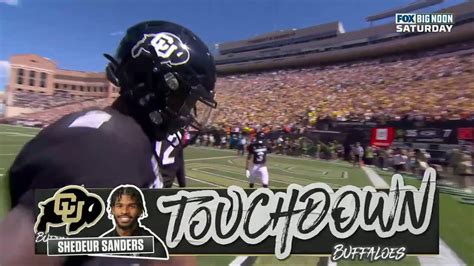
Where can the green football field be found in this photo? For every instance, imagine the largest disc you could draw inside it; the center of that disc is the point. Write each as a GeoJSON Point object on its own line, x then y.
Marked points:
{"type": "Point", "coordinates": [206, 167]}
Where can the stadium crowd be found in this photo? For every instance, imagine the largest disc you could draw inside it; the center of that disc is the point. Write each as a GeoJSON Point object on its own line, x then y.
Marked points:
{"type": "Point", "coordinates": [426, 88]}
{"type": "Point", "coordinates": [430, 88]}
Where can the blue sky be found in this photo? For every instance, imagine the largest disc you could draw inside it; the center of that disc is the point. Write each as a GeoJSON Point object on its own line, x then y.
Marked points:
{"type": "Point", "coordinates": [75, 33]}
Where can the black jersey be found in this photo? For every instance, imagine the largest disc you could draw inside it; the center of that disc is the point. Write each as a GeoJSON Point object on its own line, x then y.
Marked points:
{"type": "Point", "coordinates": [259, 152]}
{"type": "Point", "coordinates": [168, 151]}
{"type": "Point", "coordinates": [99, 148]}
{"type": "Point", "coordinates": [170, 157]}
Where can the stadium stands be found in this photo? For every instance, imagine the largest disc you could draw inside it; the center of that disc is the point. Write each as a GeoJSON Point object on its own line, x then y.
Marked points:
{"type": "Point", "coordinates": [40, 100]}
{"type": "Point", "coordinates": [46, 117]}
{"type": "Point", "coordinates": [356, 45]}
{"type": "Point", "coordinates": [283, 38]}
{"type": "Point", "coordinates": [440, 87]}
{"type": "Point", "coordinates": [437, 85]}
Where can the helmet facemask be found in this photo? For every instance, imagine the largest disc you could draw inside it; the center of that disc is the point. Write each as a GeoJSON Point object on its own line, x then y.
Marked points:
{"type": "Point", "coordinates": [170, 100]}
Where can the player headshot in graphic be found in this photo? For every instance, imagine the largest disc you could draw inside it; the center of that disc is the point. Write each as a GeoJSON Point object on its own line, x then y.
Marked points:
{"type": "Point", "coordinates": [126, 208]}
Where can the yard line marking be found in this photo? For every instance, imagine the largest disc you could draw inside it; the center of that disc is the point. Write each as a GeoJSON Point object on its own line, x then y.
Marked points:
{"type": "Point", "coordinates": [209, 158]}
{"type": "Point", "coordinates": [331, 263]}
{"type": "Point", "coordinates": [199, 169]}
{"type": "Point", "coordinates": [16, 134]}
{"type": "Point", "coordinates": [8, 154]}
{"type": "Point", "coordinates": [238, 261]}
{"type": "Point", "coordinates": [243, 261]}
{"type": "Point", "coordinates": [446, 255]}
{"type": "Point", "coordinates": [214, 174]}
{"type": "Point", "coordinates": [376, 180]}
{"type": "Point", "coordinates": [274, 177]}
{"type": "Point", "coordinates": [16, 126]}
{"type": "Point", "coordinates": [274, 155]}
{"type": "Point", "coordinates": [204, 182]}
{"type": "Point", "coordinates": [13, 145]}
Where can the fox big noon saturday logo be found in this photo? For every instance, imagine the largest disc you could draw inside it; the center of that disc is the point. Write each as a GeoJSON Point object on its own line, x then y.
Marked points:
{"type": "Point", "coordinates": [431, 22]}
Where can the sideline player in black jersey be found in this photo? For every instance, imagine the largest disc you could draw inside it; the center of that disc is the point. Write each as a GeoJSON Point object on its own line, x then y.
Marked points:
{"type": "Point", "coordinates": [166, 74]}
{"type": "Point", "coordinates": [257, 150]}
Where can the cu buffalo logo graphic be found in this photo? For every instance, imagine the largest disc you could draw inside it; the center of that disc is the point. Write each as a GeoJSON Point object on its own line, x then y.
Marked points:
{"type": "Point", "coordinates": [166, 45]}
{"type": "Point", "coordinates": [72, 206]}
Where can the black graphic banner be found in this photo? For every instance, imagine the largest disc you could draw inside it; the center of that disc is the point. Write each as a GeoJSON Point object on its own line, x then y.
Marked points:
{"type": "Point", "coordinates": [310, 219]}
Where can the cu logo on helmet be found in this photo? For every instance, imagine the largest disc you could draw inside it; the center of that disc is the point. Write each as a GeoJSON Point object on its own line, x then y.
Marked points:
{"type": "Point", "coordinates": [166, 45]}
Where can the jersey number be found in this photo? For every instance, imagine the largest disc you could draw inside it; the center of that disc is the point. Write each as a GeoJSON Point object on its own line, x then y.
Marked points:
{"type": "Point", "coordinates": [260, 156]}
{"type": "Point", "coordinates": [166, 158]}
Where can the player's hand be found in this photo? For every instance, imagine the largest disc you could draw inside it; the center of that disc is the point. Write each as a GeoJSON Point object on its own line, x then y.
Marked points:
{"type": "Point", "coordinates": [247, 173]}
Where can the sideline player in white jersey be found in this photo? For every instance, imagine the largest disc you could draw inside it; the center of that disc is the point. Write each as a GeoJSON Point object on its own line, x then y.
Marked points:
{"type": "Point", "coordinates": [258, 150]}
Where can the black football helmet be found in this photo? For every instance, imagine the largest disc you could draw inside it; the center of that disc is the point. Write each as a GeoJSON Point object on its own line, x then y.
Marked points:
{"type": "Point", "coordinates": [167, 72]}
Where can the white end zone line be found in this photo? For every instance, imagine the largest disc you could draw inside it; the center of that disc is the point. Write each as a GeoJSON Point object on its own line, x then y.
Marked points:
{"type": "Point", "coordinates": [446, 255]}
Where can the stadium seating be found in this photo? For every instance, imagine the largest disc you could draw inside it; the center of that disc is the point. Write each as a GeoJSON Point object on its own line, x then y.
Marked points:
{"type": "Point", "coordinates": [429, 87]}
{"type": "Point", "coordinates": [50, 115]}
{"type": "Point", "coordinates": [437, 85]}
{"type": "Point", "coordinates": [39, 100]}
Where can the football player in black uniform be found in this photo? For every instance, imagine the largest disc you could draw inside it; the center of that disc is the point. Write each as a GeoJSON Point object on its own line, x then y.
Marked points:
{"type": "Point", "coordinates": [257, 150]}
{"type": "Point", "coordinates": [166, 74]}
